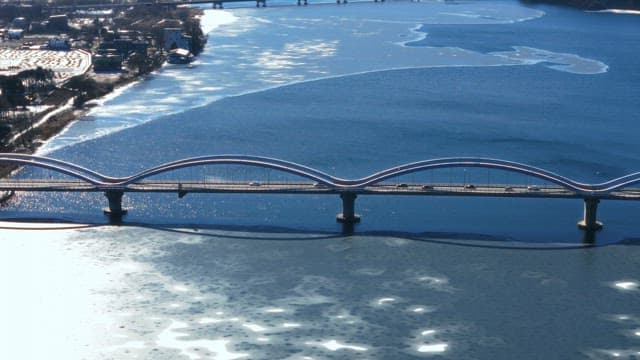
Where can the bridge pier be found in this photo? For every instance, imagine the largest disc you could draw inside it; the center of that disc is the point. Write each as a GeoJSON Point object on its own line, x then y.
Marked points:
{"type": "Point", "coordinates": [589, 221]}
{"type": "Point", "coordinates": [217, 5]}
{"type": "Point", "coordinates": [348, 214]}
{"type": "Point", "coordinates": [115, 209]}
{"type": "Point", "coordinates": [300, 2]}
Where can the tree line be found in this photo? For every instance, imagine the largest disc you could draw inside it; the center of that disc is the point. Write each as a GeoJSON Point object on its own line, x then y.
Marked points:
{"type": "Point", "coordinates": [17, 90]}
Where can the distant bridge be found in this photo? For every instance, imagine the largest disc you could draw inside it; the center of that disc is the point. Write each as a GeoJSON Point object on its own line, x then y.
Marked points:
{"type": "Point", "coordinates": [200, 175]}
{"type": "Point", "coordinates": [78, 5]}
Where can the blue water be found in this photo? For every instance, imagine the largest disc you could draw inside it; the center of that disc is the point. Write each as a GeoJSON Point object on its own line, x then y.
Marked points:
{"type": "Point", "coordinates": [273, 277]}
{"type": "Point", "coordinates": [582, 126]}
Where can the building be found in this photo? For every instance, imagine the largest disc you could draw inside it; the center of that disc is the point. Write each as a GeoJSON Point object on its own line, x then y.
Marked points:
{"type": "Point", "coordinates": [175, 39]}
{"type": "Point", "coordinates": [14, 34]}
{"type": "Point", "coordinates": [139, 46]}
{"type": "Point", "coordinates": [19, 23]}
{"type": "Point", "coordinates": [168, 24]}
{"type": "Point", "coordinates": [107, 62]}
{"type": "Point", "coordinates": [179, 56]}
{"type": "Point", "coordinates": [123, 47]}
{"type": "Point", "coordinates": [58, 23]}
{"type": "Point", "coordinates": [37, 27]}
{"type": "Point", "coordinates": [59, 43]}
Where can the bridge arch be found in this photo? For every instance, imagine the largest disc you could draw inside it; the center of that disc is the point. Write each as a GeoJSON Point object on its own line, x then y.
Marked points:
{"type": "Point", "coordinates": [473, 162]}
{"type": "Point", "coordinates": [619, 183]}
{"type": "Point", "coordinates": [97, 179]}
{"type": "Point", "coordinates": [257, 161]}
{"type": "Point", "coordinates": [59, 166]}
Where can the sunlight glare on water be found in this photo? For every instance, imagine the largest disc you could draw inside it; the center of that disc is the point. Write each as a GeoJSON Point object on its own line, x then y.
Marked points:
{"type": "Point", "coordinates": [627, 285]}
{"type": "Point", "coordinates": [433, 348]}
{"type": "Point", "coordinates": [125, 292]}
{"type": "Point", "coordinates": [194, 349]}
{"type": "Point", "coordinates": [53, 295]}
{"type": "Point", "coordinates": [335, 345]}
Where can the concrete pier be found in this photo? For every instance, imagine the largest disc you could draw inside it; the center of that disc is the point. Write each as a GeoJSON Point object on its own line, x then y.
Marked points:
{"type": "Point", "coordinates": [589, 221]}
{"type": "Point", "coordinates": [348, 214]}
{"type": "Point", "coordinates": [115, 208]}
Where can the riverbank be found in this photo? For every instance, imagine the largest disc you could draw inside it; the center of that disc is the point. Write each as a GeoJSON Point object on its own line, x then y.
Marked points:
{"type": "Point", "coordinates": [61, 111]}
{"type": "Point", "coordinates": [42, 116]}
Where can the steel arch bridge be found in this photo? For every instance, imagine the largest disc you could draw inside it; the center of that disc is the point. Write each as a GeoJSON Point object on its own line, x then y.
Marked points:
{"type": "Point", "coordinates": [75, 178]}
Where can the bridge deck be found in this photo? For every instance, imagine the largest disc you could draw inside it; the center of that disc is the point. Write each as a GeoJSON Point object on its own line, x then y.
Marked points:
{"type": "Point", "coordinates": [508, 190]}
{"type": "Point", "coordinates": [80, 6]}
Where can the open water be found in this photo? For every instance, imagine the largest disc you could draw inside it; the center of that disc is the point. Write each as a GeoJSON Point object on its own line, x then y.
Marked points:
{"type": "Point", "coordinates": [355, 89]}
{"type": "Point", "coordinates": [351, 90]}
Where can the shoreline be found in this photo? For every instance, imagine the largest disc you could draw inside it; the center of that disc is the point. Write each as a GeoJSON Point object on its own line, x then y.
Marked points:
{"type": "Point", "coordinates": [66, 106]}
{"type": "Point", "coordinates": [29, 141]}
{"type": "Point", "coordinates": [38, 128]}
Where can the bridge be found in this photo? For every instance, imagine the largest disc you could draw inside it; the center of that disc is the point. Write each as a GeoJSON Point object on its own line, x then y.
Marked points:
{"type": "Point", "coordinates": [162, 3]}
{"type": "Point", "coordinates": [229, 174]}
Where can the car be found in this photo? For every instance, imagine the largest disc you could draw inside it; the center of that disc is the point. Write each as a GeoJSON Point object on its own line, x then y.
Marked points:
{"type": "Point", "coordinates": [508, 188]}
{"type": "Point", "coordinates": [470, 186]}
{"type": "Point", "coordinates": [402, 185]}
{"type": "Point", "coordinates": [427, 187]}
{"type": "Point", "coordinates": [533, 188]}
{"type": "Point", "coordinates": [254, 183]}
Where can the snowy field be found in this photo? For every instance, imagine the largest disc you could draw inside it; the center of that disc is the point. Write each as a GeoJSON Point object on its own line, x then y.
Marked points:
{"type": "Point", "coordinates": [65, 64]}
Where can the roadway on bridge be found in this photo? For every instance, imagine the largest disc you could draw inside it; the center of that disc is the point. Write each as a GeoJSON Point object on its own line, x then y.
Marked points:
{"type": "Point", "coordinates": [184, 187]}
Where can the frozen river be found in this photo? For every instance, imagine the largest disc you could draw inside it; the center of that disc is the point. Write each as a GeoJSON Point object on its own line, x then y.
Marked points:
{"type": "Point", "coordinates": [348, 90]}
